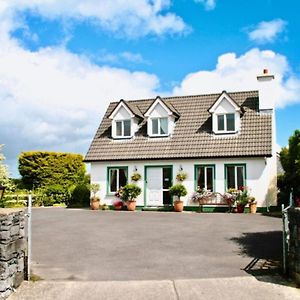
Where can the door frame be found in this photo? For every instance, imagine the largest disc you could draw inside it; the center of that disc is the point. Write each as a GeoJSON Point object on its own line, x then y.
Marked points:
{"type": "Point", "coordinates": [146, 167]}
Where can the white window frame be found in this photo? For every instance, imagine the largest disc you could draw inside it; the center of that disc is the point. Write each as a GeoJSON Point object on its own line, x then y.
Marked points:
{"type": "Point", "coordinates": [236, 175]}
{"type": "Point", "coordinates": [225, 123]}
{"type": "Point", "coordinates": [117, 177]}
{"type": "Point", "coordinates": [197, 167]}
{"type": "Point", "coordinates": [122, 129]}
{"type": "Point", "coordinates": [159, 120]}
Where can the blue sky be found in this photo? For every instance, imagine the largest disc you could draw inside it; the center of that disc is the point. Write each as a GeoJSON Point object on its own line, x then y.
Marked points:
{"type": "Point", "coordinates": [61, 63]}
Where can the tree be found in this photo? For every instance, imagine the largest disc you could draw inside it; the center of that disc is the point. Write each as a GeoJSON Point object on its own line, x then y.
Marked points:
{"type": "Point", "coordinates": [290, 160]}
{"type": "Point", "coordinates": [4, 174]}
{"type": "Point", "coordinates": [42, 168]}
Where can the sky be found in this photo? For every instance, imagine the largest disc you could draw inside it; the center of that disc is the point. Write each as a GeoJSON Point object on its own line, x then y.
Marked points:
{"type": "Point", "coordinates": [62, 62]}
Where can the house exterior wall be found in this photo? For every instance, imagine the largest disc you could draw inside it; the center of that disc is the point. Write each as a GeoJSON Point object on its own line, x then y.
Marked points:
{"type": "Point", "coordinates": [260, 176]}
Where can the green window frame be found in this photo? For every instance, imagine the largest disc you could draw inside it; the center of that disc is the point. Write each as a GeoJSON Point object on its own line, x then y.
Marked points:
{"type": "Point", "coordinates": [235, 176]}
{"type": "Point", "coordinates": [117, 176]}
{"type": "Point", "coordinates": [203, 175]}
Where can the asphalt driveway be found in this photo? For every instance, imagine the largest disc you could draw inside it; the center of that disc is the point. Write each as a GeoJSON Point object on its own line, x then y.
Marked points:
{"type": "Point", "coordinates": [75, 244]}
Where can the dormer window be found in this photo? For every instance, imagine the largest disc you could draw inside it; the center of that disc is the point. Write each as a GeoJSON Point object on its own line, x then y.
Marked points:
{"type": "Point", "coordinates": [125, 119]}
{"type": "Point", "coordinates": [159, 126]}
{"type": "Point", "coordinates": [161, 118]}
{"type": "Point", "coordinates": [225, 115]}
{"type": "Point", "coordinates": [226, 122]}
{"type": "Point", "coordinates": [123, 128]}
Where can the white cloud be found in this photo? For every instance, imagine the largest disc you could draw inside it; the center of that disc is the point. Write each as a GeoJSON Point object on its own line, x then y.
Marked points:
{"type": "Point", "coordinates": [208, 4]}
{"type": "Point", "coordinates": [238, 73]}
{"type": "Point", "coordinates": [267, 31]}
{"type": "Point", "coordinates": [132, 18]}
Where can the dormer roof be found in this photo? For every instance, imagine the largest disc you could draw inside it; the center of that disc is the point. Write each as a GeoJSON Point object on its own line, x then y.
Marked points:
{"type": "Point", "coordinates": [130, 107]}
{"type": "Point", "coordinates": [167, 106]}
{"type": "Point", "coordinates": [222, 96]}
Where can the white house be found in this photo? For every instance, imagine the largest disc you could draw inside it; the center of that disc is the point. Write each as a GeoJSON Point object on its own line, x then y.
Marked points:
{"type": "Point", "coordinates": [221, 141]}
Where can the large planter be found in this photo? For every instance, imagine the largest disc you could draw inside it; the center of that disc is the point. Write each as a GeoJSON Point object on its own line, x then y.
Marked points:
{"type": "Point", "coordinates": [240, 208]}
{"type": "Point", "coordinates": [95, 204]}
{"type": "Point", "coordinates": [178, 206]}
{"type": "Point", "coordinates": [131, 205]}
{"type": "Point", "coordinates": [253, 208]}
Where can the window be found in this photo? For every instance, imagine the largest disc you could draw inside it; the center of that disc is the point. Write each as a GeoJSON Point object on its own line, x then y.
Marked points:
{"type": "Point", "coordinates": [235, 176]}
{"type": "Point", "coordinates": [117, 177]}
{"type": "Point", "coordinates": [205, 177]}
{"type": "Point", "coordinates": [226, 122]}
{"type": "Point", "coordinates": [123, 128]}
{"type": "Point", "coordinates": [160, 126]}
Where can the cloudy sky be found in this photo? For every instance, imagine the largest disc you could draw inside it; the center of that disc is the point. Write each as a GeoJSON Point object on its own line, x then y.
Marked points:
{"type": "Point", "coordinates": [62, 62]}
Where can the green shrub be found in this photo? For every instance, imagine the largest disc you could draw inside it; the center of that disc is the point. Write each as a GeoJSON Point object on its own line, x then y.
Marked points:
{"type": "Point", "coordinates": [80, 196]}
{"type": "Point", "coordinates": [178, 190]}
{"type": "Point", "coordinates": [130, 192]}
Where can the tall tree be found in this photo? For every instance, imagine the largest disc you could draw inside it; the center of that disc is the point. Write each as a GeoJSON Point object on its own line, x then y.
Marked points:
{"type": "Point", "coordinates": [290, 160]}
{"type": "Point", "coordinates": [4, 174]}
{"type": "Point", "coordinates": [42, 168]}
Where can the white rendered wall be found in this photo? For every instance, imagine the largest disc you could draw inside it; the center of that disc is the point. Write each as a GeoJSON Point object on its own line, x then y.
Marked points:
{"type": "Point", "coordinates": [259, 178]}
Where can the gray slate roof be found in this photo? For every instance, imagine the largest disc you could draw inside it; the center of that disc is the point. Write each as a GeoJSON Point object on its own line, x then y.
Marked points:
{"type": "Point", "coordinates": [192, 136]}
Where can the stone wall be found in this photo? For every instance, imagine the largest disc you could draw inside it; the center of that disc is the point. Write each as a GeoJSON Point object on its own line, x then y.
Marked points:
{"type": "Point", "coordinates": [294, 250]}
{"type": "Point", "coordinates": [12, 250]}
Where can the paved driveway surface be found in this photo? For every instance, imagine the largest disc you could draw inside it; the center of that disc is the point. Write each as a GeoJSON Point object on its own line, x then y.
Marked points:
{"type": "Point", "coordinates": [71, 244]}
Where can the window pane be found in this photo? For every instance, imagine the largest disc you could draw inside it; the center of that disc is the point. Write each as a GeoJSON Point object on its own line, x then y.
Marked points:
{"type": "Point", "coordinates": [127, 129]}
{"type": "Point", "coordinates": [122, 177]}
{"type": "Point", "coordinates": [167, 178]}
{"type": "Point", "coordinates": [221, 122]}
{"type": "Point", "coordinates": [164, 126]}
{"type": "Point", "coordinates": [154, 126]}
{"type": "Point", "coordinates": [113, 180]}
{"type": "Point", "coordinates": [231, 178]}
{"type": "Point", "coordinates": [209, 178]}
{"type": "Point", "coordinates": [119, 128]}
{"type": "Point", "coordinates": [200, 180]}
{"type": "Point", "coordinates": [240, 177]}
{"type": "Point", "coordinates": [230, 122]}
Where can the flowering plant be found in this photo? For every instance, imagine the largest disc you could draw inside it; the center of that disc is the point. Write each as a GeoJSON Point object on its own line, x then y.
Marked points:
{"type": "Point", "coordinates": [200, 194]}
{"type": "Point", "coordinates": [136, 176]}
{"type": "Point", "coordinates": [181, 176]}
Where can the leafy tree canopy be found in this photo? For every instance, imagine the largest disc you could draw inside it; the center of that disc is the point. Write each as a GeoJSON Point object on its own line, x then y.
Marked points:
{"type": "Point", "coordinates": [43, 168]}
{"type": "Point", "coordinates": [290, 160]}
{"type": "Point", "coordinates": [4, 174]}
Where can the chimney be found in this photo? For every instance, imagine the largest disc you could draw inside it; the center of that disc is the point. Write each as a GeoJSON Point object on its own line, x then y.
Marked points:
{"type": "Point", "coordinates": [266, 90]}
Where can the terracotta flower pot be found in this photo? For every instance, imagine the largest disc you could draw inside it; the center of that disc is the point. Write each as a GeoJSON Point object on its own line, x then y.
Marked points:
{"type": "Point", "coordinates": [95, 204]}
{"type": "Point", "coordinates": [131, 205]}
{"type": "Point", "coordinates": [240, 208]}
{"type": "Point", "coordinates": [253, 207]}
{"type": "Point", "coordinates": [178, 206]}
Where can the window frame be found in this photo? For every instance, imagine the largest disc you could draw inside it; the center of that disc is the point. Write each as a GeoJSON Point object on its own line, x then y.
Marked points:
{"type": "Point", "coordinates": [159, 126]}
{"type": "Point", "coordinates": [196, 168]}
{"type": "Point", "coordinates": [108, 179]}
{"type": "Point", "coordinates": [122, 129]}
{"type": "Point", "coordinates": [225, 125]}
{"type": "Point", "coordinates": [235, 175]}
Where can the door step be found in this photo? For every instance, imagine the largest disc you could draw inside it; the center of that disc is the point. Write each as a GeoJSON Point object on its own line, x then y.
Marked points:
{"type": "Point", "coordinates": [158, 208]}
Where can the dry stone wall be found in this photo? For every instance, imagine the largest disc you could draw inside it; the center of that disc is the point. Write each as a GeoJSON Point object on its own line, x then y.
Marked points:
{"type": "Point", "coordinates": [294, 246]}
{"type": "Point", "coordinates": [12, 250]}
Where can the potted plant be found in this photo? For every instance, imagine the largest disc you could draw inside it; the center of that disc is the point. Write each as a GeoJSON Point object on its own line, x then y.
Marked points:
{"type": "Point", "coordinates": [118, 203]}
{"type": "Point", "coordinates": [178, 190]}
{"type": "Point", "coordinates": [242, 199]}
{"type": "Point", "coordinates": [94, 201]}
{"type": "Point", "coordinates": [199, 196]}
{"type": "Point", "coordinates": [181, 176]}
{"type": "Point", "coordinates": [252, 205]}
{"type": "Point", "coordinates": [129, 194]}
{"type": "Point", "coordinates": [136, 177]}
